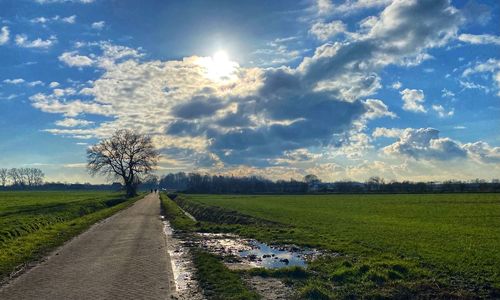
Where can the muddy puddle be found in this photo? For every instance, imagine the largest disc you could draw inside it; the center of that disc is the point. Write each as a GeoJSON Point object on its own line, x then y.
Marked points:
{"type": "Point", "coordinates": [242, 253]}
{"type": "Point", "coordinates": [186, 286]}
{"type": "Point", "coordinates": [238, 253]}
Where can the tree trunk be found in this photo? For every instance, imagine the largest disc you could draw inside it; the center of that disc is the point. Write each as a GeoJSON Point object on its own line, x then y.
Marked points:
{"type": "Point", "coordinates": [130, 189]}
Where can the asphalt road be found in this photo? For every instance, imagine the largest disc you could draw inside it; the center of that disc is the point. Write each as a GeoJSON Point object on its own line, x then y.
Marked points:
{"type": "Point", "coordinates": [122, 257]}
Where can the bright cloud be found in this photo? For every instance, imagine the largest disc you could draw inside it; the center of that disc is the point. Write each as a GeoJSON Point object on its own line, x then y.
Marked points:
{"type": "Point", "coordinates": [324, 31]}
{"type": "Point", "coordinates": [4, 35]}
{"type": "Point", "coordinates": [14, 81]}
{"type": "Point", "coordinates": [439, 109]}
{"type": "Point", "coordinates": [71, 122]}
{"type": "Point", "coordinates": [98, 25]}
{"type": "Point", "coordinates": [73, 59]}
{"type": "Point", "coordinates": [480, 39]}
{"type": "Point", "coordinates": [413, 100]}
{"type": "Point", "coordinates": [23, 41]}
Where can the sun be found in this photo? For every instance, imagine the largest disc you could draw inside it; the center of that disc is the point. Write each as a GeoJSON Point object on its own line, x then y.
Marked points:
{"type": "Point", "coordinates": [219, 67]}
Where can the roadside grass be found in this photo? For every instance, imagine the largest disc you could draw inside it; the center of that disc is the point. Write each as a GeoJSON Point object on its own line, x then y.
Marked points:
{"type": "Point", "coordinates": [444, 246]}
{"type": "Point", "coordinates": [34, 223]}
{"type": "Point", "coordinates": [178, 220]}
{"type": "Point", "coordinates": [216, 280]}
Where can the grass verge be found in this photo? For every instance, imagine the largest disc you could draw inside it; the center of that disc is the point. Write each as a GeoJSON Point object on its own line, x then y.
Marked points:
{"type": "Point", "coordinates": [217, 281]}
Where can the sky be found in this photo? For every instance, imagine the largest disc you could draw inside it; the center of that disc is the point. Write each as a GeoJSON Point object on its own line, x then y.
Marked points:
{"type": "Point", "coordinates": [402, 89]}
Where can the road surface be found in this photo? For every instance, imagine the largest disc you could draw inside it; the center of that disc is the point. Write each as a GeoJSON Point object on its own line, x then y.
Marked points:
{"type": "Point", "coordinates": [122, 257]}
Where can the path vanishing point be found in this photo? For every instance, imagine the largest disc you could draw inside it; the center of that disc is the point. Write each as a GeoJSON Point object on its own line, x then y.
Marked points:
{"type": "Point", "coordinates": [122, 257]}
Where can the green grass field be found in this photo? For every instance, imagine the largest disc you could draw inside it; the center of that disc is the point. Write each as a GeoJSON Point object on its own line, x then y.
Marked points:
{"type": "Point", "coordinates": [445, 245]}
{"type": "Point", "coordinates": [33, 223]}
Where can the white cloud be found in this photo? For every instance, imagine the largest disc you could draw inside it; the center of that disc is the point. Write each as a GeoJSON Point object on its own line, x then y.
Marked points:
{"type": "Point", "coordinates": [447, 93]}
{"type": "Point", "coordinates": [483, 152]}
{"type": "Point", "coordinates": [480, 39]}
{"type": "Point", "coordinates": [71, 122]}
{"type": "Point", "coordinates": [54, 84]}
{"type": "Point", "coordinates": [14, 81]}
{"type": "Point", "coordinates": [4, 35]}
{"type": "Point", "coordinates": [387, 132]}
{"type": "Point", "coordinates": [69, 20]}
{"type": "Point", "coordinates": [377, 109]}
{"type": "Point", "coordinates": [73, 59]}
{"type": "Point", "coordinates": [22, 41]}
{"type": "Point", "coordinates": [277, 52]}
{"type": "Point", "coordinates": [413, 100]}
{"type": "Point", "coordinates": [50, 104]}
{"type": "Point", "coordinates": [35, 83]}
{"type": "Point", "coordinates": [324, 6]}
{"type": "Point", "coordinates": [324, 31]}
{"type": "Point", "coordinates": [425, 143]}
{"type": "Point", "coordinates": [491, 66]}
{"type": "Point", "coordinates": [98, 25]}
{"type": "Point", "coordinates": [396, 85]}
{"type": "Point", "coordinates": [56, 18]}
{"type": "Point", "coordinates": [442, 112]}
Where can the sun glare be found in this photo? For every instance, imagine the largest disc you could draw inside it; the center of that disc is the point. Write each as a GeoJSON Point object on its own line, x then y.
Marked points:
{"type": "Point", "coordinates": [219, 67]}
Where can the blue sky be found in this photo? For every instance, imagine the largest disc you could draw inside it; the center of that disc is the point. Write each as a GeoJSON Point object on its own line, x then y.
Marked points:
{"type": "Point", "coordinates": [342, 89]}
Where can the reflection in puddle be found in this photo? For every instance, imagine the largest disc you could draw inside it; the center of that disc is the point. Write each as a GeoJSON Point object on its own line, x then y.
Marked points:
{"type": "Point", "coordinates": [269, 257]}
{"type": "Point", "coordinates": [241, 253]}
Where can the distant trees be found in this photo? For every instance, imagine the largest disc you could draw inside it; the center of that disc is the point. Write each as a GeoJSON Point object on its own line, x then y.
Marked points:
{"type": "Point", "coordinates": [4, 175]}
{"type": "Point", "coordinates": [219, 184]}
{"type": "Point", "coordinates": [126, 155]}
{"type": "Point", "coordinates": [21, 177]}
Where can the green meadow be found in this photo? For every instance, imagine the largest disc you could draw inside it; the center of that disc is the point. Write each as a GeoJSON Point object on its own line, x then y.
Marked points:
{"type": "Point", "coordinates": [432, 245]}
{"type": "Point", "coordinates": [33, 223]}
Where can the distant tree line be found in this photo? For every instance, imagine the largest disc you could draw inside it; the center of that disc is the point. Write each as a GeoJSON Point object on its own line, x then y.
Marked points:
{"type": "Point", "coordinates": [377, 184]}
{"type": "Point", "coordinates": [21, 177]}
{"type": "Point", "coordinates": [219, 184]}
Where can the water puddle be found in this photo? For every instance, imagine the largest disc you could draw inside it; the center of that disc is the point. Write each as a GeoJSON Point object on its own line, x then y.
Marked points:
{"type": "Point", "coordinates": [242, 253]}
{"type": "Point", "coordinates": [186, 286]}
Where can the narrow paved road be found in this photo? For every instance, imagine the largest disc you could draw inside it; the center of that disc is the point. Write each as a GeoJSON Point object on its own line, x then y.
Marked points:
{"type": "Point", "coordinates": [123, 257]}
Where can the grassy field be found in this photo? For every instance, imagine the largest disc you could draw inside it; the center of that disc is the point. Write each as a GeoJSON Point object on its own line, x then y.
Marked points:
{"type": "Point", "coordinates": [445, 245]}
{"type": "Point", "coordinates": [33, 223]}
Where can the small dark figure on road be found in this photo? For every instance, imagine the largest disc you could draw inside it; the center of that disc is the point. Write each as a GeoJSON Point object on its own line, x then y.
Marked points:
{"type": "Point", "coordinates": [151, 190]}
{"type": "Point", "coordinates": [156, 191]}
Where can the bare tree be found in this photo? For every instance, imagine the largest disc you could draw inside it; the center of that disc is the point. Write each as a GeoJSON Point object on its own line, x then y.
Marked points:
{"type": "Point", "coordinates": [4, 176]}
{"type": "Point", "coordinates": [126, 155]}
{"type": "Point", "coordinates": [15, 176]}
{"type": "Point", "coordinates": [34, 176]}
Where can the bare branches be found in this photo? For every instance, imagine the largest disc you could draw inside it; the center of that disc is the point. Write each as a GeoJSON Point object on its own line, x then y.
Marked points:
{"type": "Point", "coordinates": [127, 155]}
{"type": "Point", "coordinates": [21, 177]}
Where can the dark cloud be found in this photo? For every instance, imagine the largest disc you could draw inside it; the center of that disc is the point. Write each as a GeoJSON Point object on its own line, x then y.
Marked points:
{"type": "Point", "coordinates": [184, 128]}
{"type": "Point", "coordinates": [197, 107]}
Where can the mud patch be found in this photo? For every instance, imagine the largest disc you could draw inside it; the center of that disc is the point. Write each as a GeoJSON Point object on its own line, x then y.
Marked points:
{"type": "Point", "coordinates": [186, 286]}
{"type": "Point", "coordinates": [269, 288]}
